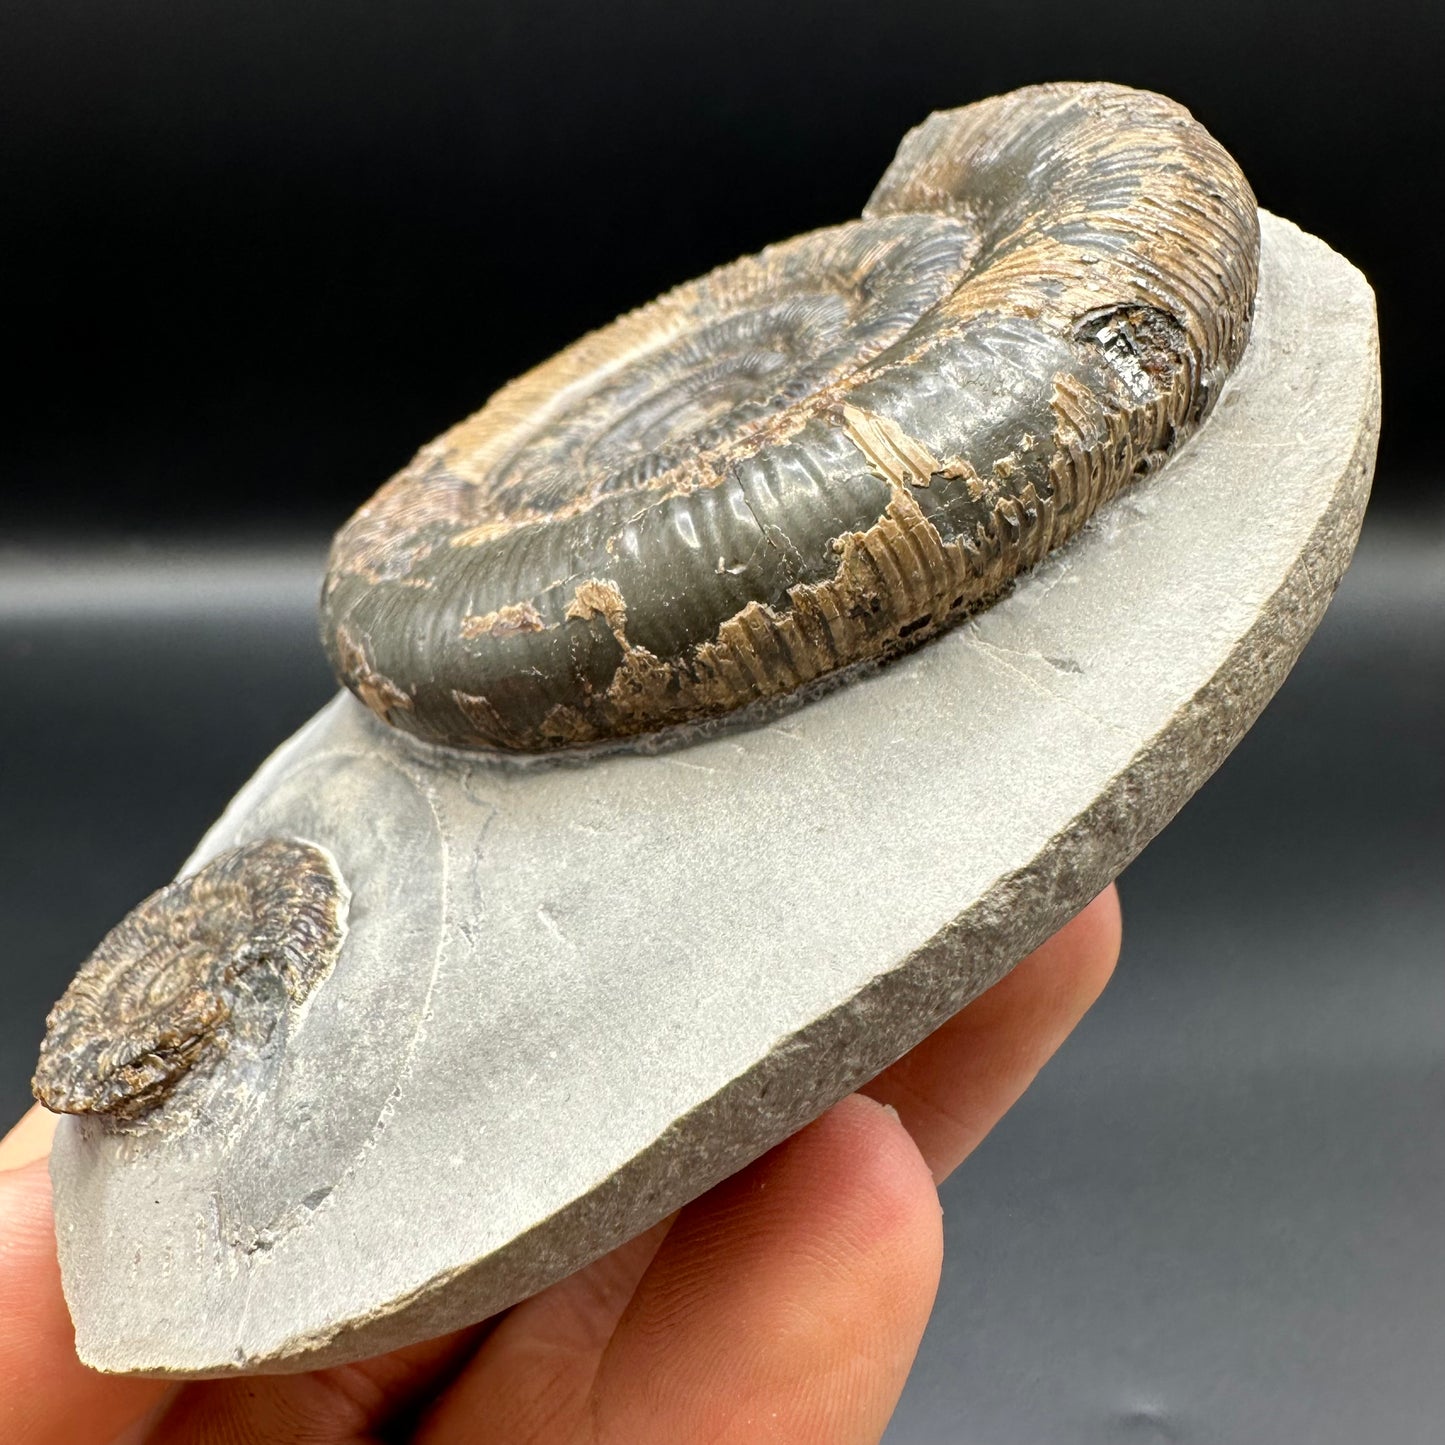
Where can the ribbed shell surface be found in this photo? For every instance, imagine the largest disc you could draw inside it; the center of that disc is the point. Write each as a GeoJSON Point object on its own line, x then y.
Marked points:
{"type": "Point", "coordinates": [816, 456]}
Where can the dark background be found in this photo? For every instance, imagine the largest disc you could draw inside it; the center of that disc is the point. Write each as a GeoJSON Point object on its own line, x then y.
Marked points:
{"type": "Point", "coordinates": [256, 253]}
{"type": "Point", "coordinates": [259, 250]}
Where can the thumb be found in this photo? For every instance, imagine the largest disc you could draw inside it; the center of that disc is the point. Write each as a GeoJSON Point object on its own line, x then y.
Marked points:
{"type": "Point", "coordinates": [47, 1397]}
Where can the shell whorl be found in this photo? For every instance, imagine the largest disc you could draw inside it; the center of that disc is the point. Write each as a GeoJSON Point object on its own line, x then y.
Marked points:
{"type": "Point", "coordinates": [818, 455]}
{"type": "Point", "coordinates": [216, 957]}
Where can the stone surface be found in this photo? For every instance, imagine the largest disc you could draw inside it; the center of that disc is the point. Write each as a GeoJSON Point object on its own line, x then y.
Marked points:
{"type": "Point", "coordinates": [572, 997]}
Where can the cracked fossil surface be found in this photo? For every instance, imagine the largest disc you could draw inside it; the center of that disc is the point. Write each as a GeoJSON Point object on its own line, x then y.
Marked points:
{"type": "Point", "coordinates": [422, 1028]}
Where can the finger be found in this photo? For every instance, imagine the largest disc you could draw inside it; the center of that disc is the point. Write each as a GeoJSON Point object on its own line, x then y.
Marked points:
{"type": "Point", "coordinates": [956, 1085]}
{"type": "Point", "coordinates": [29, 1139]}
{"type": "Point", "coordinates": [346, 1403]}
{"type": "Point", "coordinates": [788, 1304]}
{"type": "Point", "coordinates": [537, 1369]}
{"type": "Point", "coordinates": [343, 1405]}
{"type": "Point", "coordinates": [352, 1402]}
{"type": "Point", "coordinates": [785, 1305]}
{"type": "Point", "coordinates": [47, 1397]}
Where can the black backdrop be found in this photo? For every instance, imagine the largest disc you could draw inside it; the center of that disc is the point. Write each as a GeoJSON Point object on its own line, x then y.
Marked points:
{"type": "Point", "coordinates": [259, 250]}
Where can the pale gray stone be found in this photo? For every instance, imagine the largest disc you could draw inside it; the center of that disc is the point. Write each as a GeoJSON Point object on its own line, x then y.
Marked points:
{"type": "Point", "coordinates": [572, 997]}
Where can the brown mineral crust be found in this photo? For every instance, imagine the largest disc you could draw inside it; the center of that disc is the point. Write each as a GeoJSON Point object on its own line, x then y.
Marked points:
{"type": "Point", "coordinates": [518, 617]}
{"type": "Point", "coordinates": [168, 986]}
{"type": "Point", "coordinates": [379, 693]}
{"type": "Point", "coordinates": [820, 455]}
{"type": "Point", "coordinates": [599, 598]}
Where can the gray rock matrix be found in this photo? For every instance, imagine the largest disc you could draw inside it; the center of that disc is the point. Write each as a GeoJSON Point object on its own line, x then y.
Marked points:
{"type": "Point", "coordinates": [573, 996]}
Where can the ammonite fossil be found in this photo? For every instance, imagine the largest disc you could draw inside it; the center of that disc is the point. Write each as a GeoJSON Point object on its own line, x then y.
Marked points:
{"type": "Point", "coordinates": [222, 950]}
{"type": "Point", "coordinates": [816, 456]}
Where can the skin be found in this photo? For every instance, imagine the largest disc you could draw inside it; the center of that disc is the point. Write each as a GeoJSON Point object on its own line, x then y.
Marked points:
{"type": "Point", "coordinates": [786, 1305]}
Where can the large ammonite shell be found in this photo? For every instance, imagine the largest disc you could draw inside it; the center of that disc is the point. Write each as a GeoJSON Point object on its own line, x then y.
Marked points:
{"type": "Point", "coordinates": [814, 456]}
{"type": "Point", "coordinates": [222, 950]}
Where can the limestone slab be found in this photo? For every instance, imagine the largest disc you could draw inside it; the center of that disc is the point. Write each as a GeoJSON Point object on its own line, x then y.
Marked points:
{"type": "Point", "coordinates": [574, 996]}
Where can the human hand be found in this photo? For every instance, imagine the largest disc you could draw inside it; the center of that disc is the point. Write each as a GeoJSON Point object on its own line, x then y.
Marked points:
{"type": "Point", "coordinates": [783, 1306]}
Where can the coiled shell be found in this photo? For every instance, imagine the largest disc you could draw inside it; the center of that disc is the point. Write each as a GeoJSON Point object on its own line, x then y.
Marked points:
{"type": "Point", "coordinates": [815, 456]}
{"type": "Point", "coordinates": [219, 953]}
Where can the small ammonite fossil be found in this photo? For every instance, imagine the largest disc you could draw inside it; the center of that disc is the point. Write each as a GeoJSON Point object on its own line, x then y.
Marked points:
{"type": "Point", "coordinates": [818, 455]}
{"type": "Point", "coordinates": [226, 948]}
